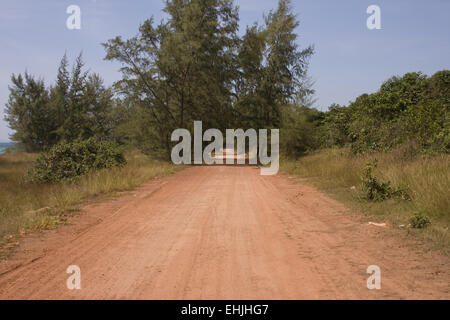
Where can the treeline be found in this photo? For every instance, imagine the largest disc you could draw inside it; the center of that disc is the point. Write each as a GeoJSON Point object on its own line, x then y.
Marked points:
{"type": "Point", "coordinates": [77, 106]}
{"type": "Point", "coordinates": [195, 66]}
{"type": "Point", "coordinates": [411, 112]}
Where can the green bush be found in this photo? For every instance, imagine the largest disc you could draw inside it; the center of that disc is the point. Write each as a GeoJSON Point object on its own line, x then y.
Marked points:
{"type": "Point", "coordinates": [419, 220]}
{"type": "Point", "coordinates": [412, 109]}
{"type": "Point", "coordinates": [67, 161]}
{"type": "Point", "coordinates": [375, 190]}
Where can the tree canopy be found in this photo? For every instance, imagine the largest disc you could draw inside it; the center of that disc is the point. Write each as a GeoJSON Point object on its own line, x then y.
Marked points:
{"type": "Point", "coordinates": [195, 65]}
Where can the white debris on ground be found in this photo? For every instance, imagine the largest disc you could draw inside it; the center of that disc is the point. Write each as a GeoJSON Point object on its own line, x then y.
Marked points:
{"type": "Point", "coordinates": [378, 224]}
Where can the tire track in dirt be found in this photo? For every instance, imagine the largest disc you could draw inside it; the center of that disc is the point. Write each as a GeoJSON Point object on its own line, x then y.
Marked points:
{"type": "Point", "coordinates": [222, 232]}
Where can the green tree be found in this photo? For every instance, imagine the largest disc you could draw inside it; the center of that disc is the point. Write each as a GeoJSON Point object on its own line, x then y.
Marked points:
{"type": "Point", "coordinates": [82, 103]}
{"type": "Point", "coordinates": [77, 106]}
{"type": "Point", "coordinates": [29, 114]}
{"type": "Point", "coordinates": [336, 126]}
{"type": "Point", "coordinates": [412, 109]}
{"type": "Point", "coordinates": [180, 70]}
{"type": "Point", "coordinates": [301, 131]}
{"type": "Point", "coordinates": [98, 103]}
{"type": "Point", "coordinates": [273, 69]}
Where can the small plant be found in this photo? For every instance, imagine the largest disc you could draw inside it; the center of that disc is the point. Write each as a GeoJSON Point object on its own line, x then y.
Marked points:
{"type": "Point", "coordinates": [375, 190]}
{"type": "Point", "coordinates": [419, 220]}
{"type": "Point", "coordinates": [67, 161]}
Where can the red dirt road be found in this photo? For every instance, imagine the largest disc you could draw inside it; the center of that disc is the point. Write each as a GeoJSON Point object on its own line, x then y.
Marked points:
{"type": "Point", "coordinates": [222, 232]}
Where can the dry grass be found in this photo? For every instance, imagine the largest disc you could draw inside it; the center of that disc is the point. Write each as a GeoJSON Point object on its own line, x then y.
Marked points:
{"type": "Point", "coordinates": [19, 199]}
{"type": "Point", "coordinates": [426, 179]}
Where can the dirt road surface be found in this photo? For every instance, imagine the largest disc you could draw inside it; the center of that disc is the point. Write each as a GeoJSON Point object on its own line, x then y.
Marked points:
{"type": "Point", "coordinates": [222, 232]}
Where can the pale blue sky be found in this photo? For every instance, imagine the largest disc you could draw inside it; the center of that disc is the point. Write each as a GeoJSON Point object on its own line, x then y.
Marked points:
{"type": "Point", "coordinates": [349, 59]}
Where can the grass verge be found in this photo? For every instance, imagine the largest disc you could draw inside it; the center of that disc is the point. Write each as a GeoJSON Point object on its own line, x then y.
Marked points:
{"type": "Point", "coordinates": [27, 207]}
{"type": "Point", "coordinates": [425, 179]}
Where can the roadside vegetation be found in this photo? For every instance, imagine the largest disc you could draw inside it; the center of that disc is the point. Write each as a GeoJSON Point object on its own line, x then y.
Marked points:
{"type": "Point", "coordinates": [68, 161]}
{"type": "Point", "coordinates": [386, 154]}
{"type": "Point", "coordinates": [424, 212]}
{"type": "Point", "coordinates": [391, 145]}
{"type": "Point", "coordinates": [26, 206]}
{"type": "Point", "coordinates": [194, 65]}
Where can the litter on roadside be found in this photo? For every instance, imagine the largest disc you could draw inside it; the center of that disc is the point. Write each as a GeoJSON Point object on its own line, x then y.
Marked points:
{"type": "Point", "coordinates": [378, 224]}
